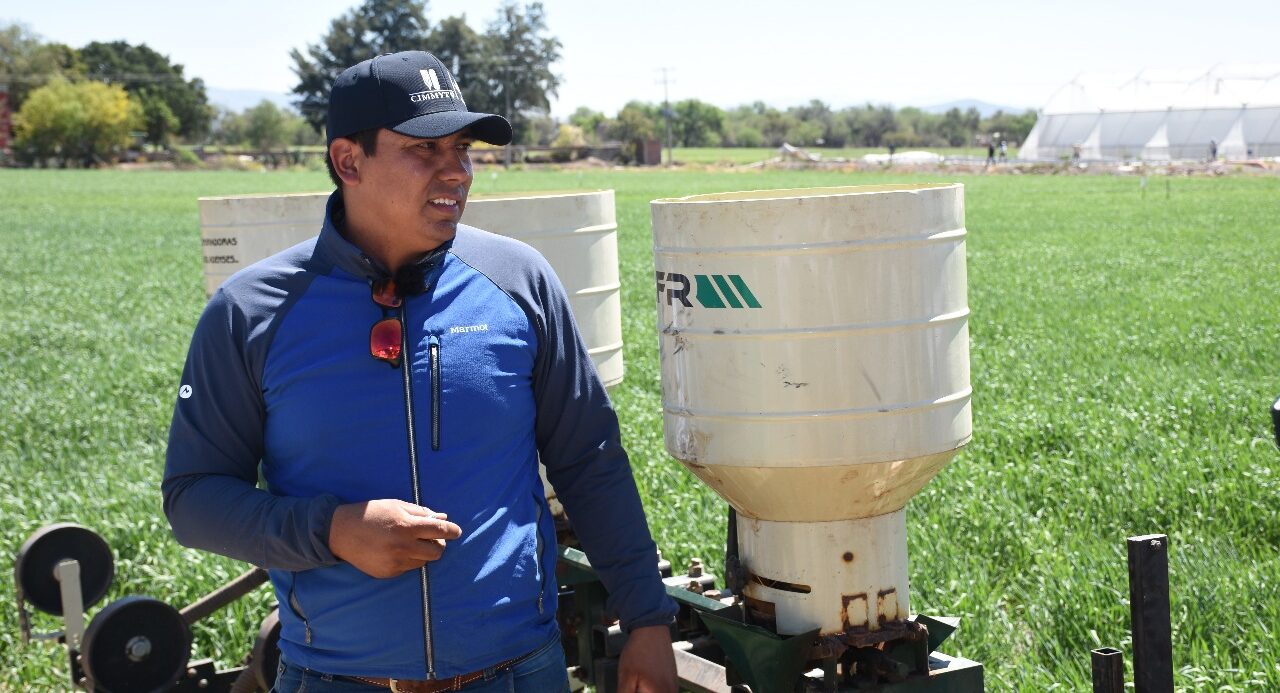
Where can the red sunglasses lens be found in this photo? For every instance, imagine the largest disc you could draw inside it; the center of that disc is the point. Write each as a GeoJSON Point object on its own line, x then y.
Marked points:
{"type": "Point", "coordinates": [384, 340]}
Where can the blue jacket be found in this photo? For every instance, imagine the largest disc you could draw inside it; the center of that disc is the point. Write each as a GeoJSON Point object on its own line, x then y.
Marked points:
{"type": "Point", "coordinates": [279, 373]}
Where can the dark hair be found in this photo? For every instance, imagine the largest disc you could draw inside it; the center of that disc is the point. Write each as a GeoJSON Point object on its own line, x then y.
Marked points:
{"type": "Point", "coordinates": [368, 141]}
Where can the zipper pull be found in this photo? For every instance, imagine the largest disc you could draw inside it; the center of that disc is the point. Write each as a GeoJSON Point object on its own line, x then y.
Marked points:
{"type": "Point", "coordinates": [433, 348]}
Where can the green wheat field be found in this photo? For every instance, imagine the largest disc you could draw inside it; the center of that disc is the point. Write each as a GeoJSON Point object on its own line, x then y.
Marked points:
{"type": "Point", "coordinates": [1125, 349]}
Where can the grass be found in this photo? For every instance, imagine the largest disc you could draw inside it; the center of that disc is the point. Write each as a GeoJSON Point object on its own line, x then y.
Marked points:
{"type": "Point", "coordinates": [1124, 354]}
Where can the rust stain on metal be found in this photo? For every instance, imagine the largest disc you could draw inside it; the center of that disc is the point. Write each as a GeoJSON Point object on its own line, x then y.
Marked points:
{"type": "Point", "coordinates": [853, 613]}
{"type": "Point", "coordinates": [848, 557]}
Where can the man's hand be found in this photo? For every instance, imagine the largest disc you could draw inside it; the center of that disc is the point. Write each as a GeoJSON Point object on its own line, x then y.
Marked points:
{"type": "Point", "coordinates": [384, 538]}
{"type": "Point", "coordinates": [647, 664]}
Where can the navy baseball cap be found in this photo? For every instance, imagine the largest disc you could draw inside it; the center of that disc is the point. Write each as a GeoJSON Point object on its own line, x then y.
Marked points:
{"type": "Point", "coordinates": [410, 93]}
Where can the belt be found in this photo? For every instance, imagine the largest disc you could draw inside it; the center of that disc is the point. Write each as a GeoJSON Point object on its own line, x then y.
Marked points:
{"type": "Point", "coordinates": [454, 683]}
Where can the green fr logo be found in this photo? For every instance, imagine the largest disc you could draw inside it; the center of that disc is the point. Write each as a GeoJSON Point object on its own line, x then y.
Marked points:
{"type": "Point", "coordinates": [710, 290]}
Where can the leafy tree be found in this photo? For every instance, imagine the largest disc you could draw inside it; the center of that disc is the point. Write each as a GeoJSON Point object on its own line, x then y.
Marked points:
{"type": "Point", "coordinates": [160, 121]}
{"type": "Point", "coordinates": [805, 133]}
{"type": "Point", "coordinates": [83, 122]}
{"type": "Point", "coordinates": [775, 125]}
{"type": "Point", "coordinates": [569, 136]}
{"type": "Point", "coordinates": [869, 125]}
{"type": "Point", "coordinates": [1012, 127]}
{"type": "Point", "coordinates": [817, 125]}
{"type": "Point", "coordinates": [228, 128]}
{"type": "Point", "coordinates": [915, 128]}
{"type": "Point", "coordinates": [233, 129]}
{"type": "Point", "coordinates": [740, 129]}
{"type": "Point", "coordinates": [27, 63]}
{"type": "Point", "coordinates": [697, 123]}
{"type": "Point", "coordinates": [516, 66]}
{"type": "Point", "coordinates": [539, 129]}
{"type": "Point", "coordinates": [298, 132]}
{"type": "Point", "coordinates": [742, 135]}
{"type": "Point", "coordinates": [171, 103]}
{"type": "Point", "coordinates": [505, 70]}
{"type": "Point", "coordinates": [462, 50]}
{"type": "Point", "coordinates": [957, 128]}
{"type": "Point", "coordinates": [375, 27]}
{"type": "Point", "coordinates": [591, 123]}
{"type": "Point", "coordinates": [265, 126]}
{"type": "Point", "coordinates": [636, 121]}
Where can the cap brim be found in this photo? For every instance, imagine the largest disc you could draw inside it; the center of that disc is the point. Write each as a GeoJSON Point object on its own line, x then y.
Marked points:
{"type": "Point", "coordinates": [485, 127]}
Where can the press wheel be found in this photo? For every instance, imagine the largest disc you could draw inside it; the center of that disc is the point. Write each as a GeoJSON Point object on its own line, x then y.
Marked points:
{"type": "Point", "coordinates": [136, 645]}
{"type": "Point", "coordinates": [266, 651]}
{"type": "Point", "coordinates": [40, 554]}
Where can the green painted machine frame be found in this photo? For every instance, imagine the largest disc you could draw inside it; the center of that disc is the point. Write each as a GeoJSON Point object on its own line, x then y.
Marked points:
{"type": "Point", "coordinates": [718, 652]}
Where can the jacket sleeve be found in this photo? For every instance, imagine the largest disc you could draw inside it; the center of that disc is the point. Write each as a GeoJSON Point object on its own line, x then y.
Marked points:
{"type": "Point", "coordinates": [580, 444]}
{"type": "Point", "coordinates": [215, 444]}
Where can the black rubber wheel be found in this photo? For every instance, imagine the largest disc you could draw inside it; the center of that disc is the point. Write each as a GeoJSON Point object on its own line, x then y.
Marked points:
{"type": "Point", "coordinates": [136, 645]}
{"type": "Point", "coordinates": [266, 651]}
{"type": "Point", "coordinates": [33, 569]}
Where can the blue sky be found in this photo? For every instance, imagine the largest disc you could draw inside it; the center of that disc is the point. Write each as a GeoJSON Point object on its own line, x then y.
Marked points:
{"type": "Point", "coordinates": [729, 52]}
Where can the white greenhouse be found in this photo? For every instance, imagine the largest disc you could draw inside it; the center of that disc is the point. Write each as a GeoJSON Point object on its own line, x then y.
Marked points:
{"type": "Point", "coordinates": [1228, 111]}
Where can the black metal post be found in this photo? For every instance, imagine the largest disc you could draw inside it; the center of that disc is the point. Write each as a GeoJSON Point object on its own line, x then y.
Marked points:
{"type": "Point", "coordinates": [1149, 610]}
{"type": "Point", "coordinates": [1108, 670]}
{"type": "Point", "coordinates": [1275, 419]}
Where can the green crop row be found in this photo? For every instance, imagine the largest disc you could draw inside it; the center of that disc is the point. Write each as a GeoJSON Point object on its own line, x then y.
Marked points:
{"type": "Point", "coordinates": [1125, 349]}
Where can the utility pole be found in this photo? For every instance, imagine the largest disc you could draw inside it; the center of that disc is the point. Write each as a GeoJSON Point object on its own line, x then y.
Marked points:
{"type": "Point", "coordinates": [509, 64]}
{"type": "Point", "coordinates": [506, 95]}
{"type": "Point", "coordinates": [666, 108]}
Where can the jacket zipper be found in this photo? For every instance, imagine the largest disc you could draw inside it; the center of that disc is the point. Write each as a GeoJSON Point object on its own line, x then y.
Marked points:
{"type": "Point", "coordinates": [537, 557]}
{"type": "Point", "coordinates": [434, 349]}
{"type": "Point", "coordinates": [297, 607]}
{"type": "Point", "coordinates": [406, 369]}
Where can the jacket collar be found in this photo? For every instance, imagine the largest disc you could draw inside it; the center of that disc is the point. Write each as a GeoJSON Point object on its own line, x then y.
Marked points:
{"type": "Point", "coordinates": [412, 278]}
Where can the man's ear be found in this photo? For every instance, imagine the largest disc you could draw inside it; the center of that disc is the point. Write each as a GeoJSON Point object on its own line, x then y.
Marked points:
{"type": "Point", "coordinates": [346, 156]}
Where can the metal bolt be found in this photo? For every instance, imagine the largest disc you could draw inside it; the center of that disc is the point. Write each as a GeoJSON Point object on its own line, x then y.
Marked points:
{"type": "Point", "coordinates": [203, 683]}
{"type": "Point", "coordinates": [138, 648]}
{"type": "Point", "coordinates": [695, 567]}
{"type": "Point", "coordinates": [694, 586]}
{"type": "Point", "coordinates": [191, 673]}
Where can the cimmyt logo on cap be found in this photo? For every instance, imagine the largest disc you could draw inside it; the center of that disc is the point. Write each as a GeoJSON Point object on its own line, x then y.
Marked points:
{"type": "Point", "coordinates": [431, 80]}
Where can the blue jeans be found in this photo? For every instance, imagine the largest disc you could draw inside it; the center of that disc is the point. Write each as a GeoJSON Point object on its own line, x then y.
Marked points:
{"type": "Point", "coordinates": [544, 672]}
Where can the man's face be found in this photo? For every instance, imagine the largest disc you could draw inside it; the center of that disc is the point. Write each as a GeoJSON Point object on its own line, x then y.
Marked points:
{"type": "Point", "coordinates": [416, 188]}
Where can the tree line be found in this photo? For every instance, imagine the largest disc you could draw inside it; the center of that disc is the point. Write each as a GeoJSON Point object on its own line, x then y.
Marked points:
{"type": "Point", "coordinates": [696, 123]}
{"type": "Point", "coordinates": [86, 105]}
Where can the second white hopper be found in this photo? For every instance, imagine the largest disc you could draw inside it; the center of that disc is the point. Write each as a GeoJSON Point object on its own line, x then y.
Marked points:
{"type": "Point", "coordinates": [815, 373]}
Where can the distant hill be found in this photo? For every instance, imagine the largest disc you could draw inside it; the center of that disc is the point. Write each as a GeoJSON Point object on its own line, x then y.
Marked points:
{"type": "Point", "coordinates": [986, 109]}
{"type": "Point", "coordinates": [239, 99]}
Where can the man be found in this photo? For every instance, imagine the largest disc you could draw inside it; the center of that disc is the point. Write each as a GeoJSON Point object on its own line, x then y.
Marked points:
{"type": "Point", "coordinates": [397, 378]}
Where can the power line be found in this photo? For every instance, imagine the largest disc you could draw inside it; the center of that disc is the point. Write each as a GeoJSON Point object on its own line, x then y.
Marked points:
{"type": "Point", "coordinates": [112, 77]}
